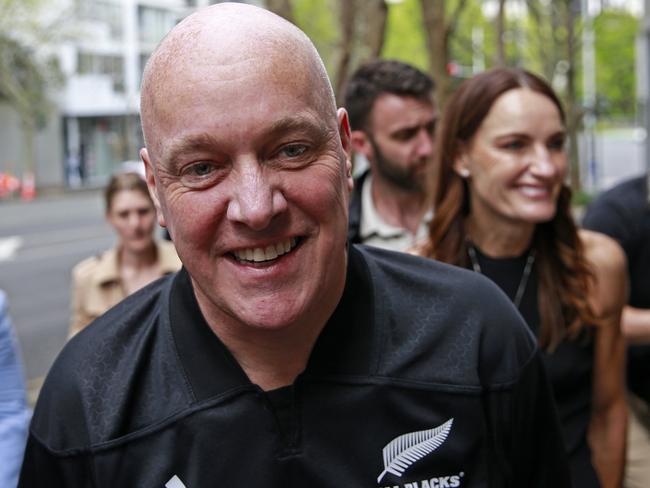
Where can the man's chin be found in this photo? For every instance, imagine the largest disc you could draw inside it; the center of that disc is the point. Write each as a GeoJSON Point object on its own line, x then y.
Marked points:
{"type": "Point", "coordinates": [267, 320]}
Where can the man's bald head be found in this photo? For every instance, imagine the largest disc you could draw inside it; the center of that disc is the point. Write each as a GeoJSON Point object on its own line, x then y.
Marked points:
{"type": "Point", "coordinates": [219, 42]}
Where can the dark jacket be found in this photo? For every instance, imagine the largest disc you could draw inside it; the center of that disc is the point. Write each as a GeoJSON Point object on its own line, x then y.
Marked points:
{"type": "Point", "coordinates": [354, 225]}
{"type": "Point", "coordinates": [412, 380]}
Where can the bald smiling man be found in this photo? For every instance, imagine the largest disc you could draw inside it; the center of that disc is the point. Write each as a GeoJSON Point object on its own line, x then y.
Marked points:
{"type": "Point", "coordinates": [281, 356]}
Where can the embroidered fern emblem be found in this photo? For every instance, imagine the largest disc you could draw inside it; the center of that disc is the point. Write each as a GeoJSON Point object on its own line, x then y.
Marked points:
{"type": "Point", "coordinates": [403, 451]}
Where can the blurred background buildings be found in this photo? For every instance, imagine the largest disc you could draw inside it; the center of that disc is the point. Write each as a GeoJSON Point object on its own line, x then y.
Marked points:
{"type": "Point", "coordinates": [70, 70]}
{"type": "Point", "coordinates": [97, 57]}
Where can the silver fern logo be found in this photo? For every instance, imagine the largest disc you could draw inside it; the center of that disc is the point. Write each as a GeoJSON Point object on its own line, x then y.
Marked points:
{"type": "Point", "coordinates": [175, 482]}
{"type": "Point", "coordinates": [403, 451]}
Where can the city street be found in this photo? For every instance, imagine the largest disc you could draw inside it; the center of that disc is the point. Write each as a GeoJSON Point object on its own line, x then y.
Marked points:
{"type": "Point", "coordinates": [40, 241]}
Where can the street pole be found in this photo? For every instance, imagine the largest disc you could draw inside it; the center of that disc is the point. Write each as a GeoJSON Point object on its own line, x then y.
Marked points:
{"type": "Point", "coordinates": [646, 89]}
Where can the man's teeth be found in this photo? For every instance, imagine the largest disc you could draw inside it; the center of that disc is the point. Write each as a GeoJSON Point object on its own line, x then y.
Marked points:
{"type": "Point", "coordinates": [261, 254]}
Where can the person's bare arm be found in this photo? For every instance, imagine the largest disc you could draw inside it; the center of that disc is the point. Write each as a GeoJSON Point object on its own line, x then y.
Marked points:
{"type": "Point", "coordinates": [636, 325]}
{"type": "Point", "coordinates": [608, 425]}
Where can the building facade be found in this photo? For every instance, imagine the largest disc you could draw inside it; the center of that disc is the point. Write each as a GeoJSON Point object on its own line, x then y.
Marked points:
{"type": "Point", "coordinates": [96, 124]}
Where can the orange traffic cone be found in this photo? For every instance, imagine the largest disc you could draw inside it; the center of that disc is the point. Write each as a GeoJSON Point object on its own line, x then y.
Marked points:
{"type": "Point", "coordinates": [28, 190]}
{"type": "Point", "coordinates": [4, 185]}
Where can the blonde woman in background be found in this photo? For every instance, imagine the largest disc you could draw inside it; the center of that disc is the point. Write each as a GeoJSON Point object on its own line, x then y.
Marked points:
{"type": "Point", "coordinates": [100, 282]}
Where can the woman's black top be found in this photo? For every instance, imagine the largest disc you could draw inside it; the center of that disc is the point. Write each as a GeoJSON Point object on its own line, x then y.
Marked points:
{"type": "Point", "coordinates": [570, 366]}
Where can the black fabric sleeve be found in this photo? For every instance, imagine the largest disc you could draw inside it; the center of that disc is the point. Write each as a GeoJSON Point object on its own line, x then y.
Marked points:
{"type": "Point", "coordinates": [611, 218]}
{"type": "Point", "coordinates": [527, 445]}
{"type": "Point", "coordinates": [43, 469]}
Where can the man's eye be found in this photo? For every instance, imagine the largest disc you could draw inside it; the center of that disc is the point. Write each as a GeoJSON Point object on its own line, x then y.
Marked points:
{"type": "Point", "coordinates": [200, 169]}
{"type": "Point", "coordinates": [406, 134]}
{"type": "Point", "coordinates": [201, 174]}
{"type": "Point", "coordinates": [294, 150]}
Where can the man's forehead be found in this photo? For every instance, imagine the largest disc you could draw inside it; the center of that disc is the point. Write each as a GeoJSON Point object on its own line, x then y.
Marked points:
{"type": "Point", "coordinates": [268, 68]}
{"type": "Point", "coordinates": [189, 69]}
{"type": "Point", "coordinates": [226, 36]}
{"type": "Point", "coordinates": [228, 63]}
{"type": "Point", "coordinates": [258, 83]}
{"type": "Point", "coordinates": [394, 112]}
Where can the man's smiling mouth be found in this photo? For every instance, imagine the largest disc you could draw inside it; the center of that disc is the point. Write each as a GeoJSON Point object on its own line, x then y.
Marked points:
{"type": "Point", "coordinates": [256, 255]}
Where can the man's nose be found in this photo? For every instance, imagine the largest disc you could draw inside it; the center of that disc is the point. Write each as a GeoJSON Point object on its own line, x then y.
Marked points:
{"type": "Point", "coordinates": [256, 200]}
{"type": "Point", "coordinates": [424, 143]}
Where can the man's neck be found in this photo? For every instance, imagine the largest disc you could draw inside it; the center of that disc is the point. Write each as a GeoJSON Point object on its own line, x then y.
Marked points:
{"type": "Point", "coordinates": [397, 207]}
{"type": "Point", "coordinates": [272, 358]}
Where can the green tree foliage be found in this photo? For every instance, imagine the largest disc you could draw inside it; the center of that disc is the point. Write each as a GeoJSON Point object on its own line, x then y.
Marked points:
{"type": "Point", "coordinates": [405, 37]}
{"type": "Point", "coordinates": [319, 20]}
{"type": "Point", "coordinates": [615, 31]}
{"type": "Point", "coordinates": [536, 41]}
{"type": "Point", "coordinates": [465, 46]}
{"type": "Point", "coordinates": [24, 81]}
{"type": "Point", "coordinates": [26, 76]}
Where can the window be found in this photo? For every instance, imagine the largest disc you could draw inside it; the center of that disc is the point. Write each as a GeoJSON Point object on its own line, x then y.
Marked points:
{"type": "Point", "coordinates": [101, 11]}
{"type": "Point", "coordinates": [98, 64]}
{"type": "Point", "coordinates": [143, 62]}
{"type": "Point", "coordinates": [154, 23]}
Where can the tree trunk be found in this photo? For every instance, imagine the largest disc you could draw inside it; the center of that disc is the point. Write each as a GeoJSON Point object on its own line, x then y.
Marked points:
{"type": "Point", "coordinates": [29, 160]}
{"type": "Point", "coordinates": [500, 31]}
{"type": "Point", "coordinates": [363, 30]}
{"type": "Point", "coordinates": [573, 113]}
{"type": "Point", "coordinates": [376, 26]}
{"type": "Point", "coordinates": [543, 38]}
{"type": "Point", "coordinates": [435, 26]}
{"type": "Point", "coordinates": [347, 11]}
{"type": "Point", "coordinates": [280, 7]}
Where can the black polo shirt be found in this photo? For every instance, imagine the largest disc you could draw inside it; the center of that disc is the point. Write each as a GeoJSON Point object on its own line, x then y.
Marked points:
{"type": "Point", "coordinates": [424, 376]}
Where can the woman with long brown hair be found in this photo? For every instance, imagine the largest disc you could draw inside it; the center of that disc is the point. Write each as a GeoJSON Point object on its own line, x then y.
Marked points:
{"type": "Point", "coordinates": [503, 210]}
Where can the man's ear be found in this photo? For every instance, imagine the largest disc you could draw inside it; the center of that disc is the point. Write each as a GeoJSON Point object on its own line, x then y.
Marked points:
{"type": "Point", "coordinates": [345, 135]}
{"type": "Point", "coordinates": [344, 129]}
{"type": "Point", "coordinates": [361, 143]}
{"type": "Point", "coordinates": [151, 184]}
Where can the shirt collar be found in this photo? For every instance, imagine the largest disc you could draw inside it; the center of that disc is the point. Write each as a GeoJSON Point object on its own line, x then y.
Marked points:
{"type": "Point", "coordinates": [345, 346]}
{"type": "Point", "coordinates": [107, 270]}
{"type": "Point", "coordinates": [372, 224]}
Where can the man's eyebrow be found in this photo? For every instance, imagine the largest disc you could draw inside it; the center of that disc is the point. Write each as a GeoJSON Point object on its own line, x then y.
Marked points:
{"type": "Point", "coordinates": [416, 125]}
{"type": "Point", "coordinates": [297, 124]}
{"type": "Point", "coordinates": [195, 142]}
{"type": "Point", "coordinates": [277, 129]}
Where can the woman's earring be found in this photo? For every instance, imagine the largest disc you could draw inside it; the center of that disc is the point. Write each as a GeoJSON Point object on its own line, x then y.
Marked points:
{"type": "Point", "coordinates": [464, 173]}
